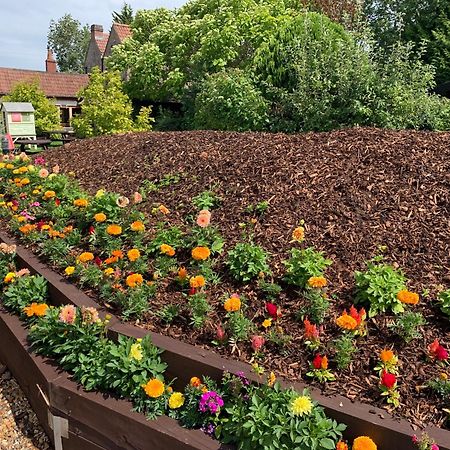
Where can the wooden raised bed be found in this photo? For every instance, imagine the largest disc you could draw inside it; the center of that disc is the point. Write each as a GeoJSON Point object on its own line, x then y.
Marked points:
{"type": "Point", "coordinates": [184, 361]}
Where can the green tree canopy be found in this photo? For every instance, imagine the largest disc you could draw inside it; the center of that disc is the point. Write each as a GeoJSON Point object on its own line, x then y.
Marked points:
{"type": "Point", "coordinates": [46, 114]}
{"type": "Point", "coordinates": [69, 41]}
{"type": "Point", "coordinates": [125, 15]}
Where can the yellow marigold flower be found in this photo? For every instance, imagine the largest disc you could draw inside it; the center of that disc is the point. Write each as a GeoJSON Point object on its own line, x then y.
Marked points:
{"type": "Point", "coordinates": [136, 351]}
{"type": "Point", "coordinates": [114, 230]}
{"type": "Point", "coordinates": [36, 191]}
{"type": "Point", "coordinates": [100, 217]}
{"type": "Point", "coordinates": [298, 234]}
{"type": "Point", "coordinates": [197, 282]}
{"type": "Point", "coordinates": [49, 194]}
{"type": "Point", "coordinates": [46, 227]}
{"type": "Point", "coordinates": [443, 376]}
{"type": "Point", "coordinates": [182, 273]}
{"type": "Point", "coordinates": [301, 406]}
{"type": "Point", "coordinates": [21, 219]}
{"type": "Point", "coordinates": [134, 280]}
{"type": "Point", "coordinates": [69, 270]}
{"type": "Point", "coordinates": [80, 202]}
{"type": "Point", "coordinates": [86, 257]}
{"type": "Point", "coordinates": [317, 282]}
{"type": "Point", "coordinates": [10, 166]}
{"type": "Point", "coordinates": [410, 298]}
{"type": "Point", "coordinates": [23, 169]}
{"type": "Point", "coordinates": [386, 355]}
{"type": "Point", "coordinates": [176, 400]}
{"type": "Point", "coordinates": [100, 193]}
{"type": "Point", "coordinates": [137, 226]}
{"type": "Point", "coordinates": [133, 254]}
{"type": "Point", "coordinates": [162, 209]}
{"type": "Point", "coordinates": [25, 181]}
{"type": "Point", "coordinates": [109, 271]}
{"type": "Point", "coordinates": [341, 446]}
{"type": "Point", "coordinates": [9, 277]}
{"type": "Point", "coordinates": [267, 323]}
{"type": "Point", "coordinates": [195, 382]}
{"type": "Point", "coordinates": [201, 253]}
{"type": "Point", "coordinates": [364, 443]}
{"type": "Point", "coordinates": [271, 379]}
{"type": "Point", "coordinates": [36, 309]}
{"type": "Point", "coordinates": [154, 388]}
{"type": "Point", "coordinates": [232, 304]}
{"type": "Point", "coordinates": [346, 322]}
{"type": "Point", "coordinates": [167, 250]}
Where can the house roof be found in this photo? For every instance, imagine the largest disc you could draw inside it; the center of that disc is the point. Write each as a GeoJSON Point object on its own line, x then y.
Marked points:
{"type": "Point", "coordinates": [101, 39]}
{"type": "Point", "coordinates": [122, 30]}
{"type": "Point", "coordinates": [17, 107]}
{"type": "Point", "coordinates": [62, 85]}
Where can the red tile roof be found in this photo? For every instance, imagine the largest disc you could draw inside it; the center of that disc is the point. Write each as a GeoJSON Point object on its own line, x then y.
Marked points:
{"type": "Point", "coordinates": [122, 30]}
{"type": "Point", "coordinates": [101, 39]}
{"type": "Point", "coordinates": [63, 85]}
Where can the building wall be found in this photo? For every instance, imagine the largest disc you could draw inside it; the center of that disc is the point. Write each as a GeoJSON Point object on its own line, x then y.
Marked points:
{"type": "Point", "coordinates": [93, 57]}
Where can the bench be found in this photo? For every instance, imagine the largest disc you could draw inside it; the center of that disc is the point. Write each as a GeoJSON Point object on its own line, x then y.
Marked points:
{"type": "Point", "coordinates": [44, 143]}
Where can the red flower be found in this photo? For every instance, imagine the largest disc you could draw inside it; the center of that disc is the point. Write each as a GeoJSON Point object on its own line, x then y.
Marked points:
{"type": "Point", "coordinates": [57, 201]}
{"type": "Point", "coordinates": [317, 362]}
{"type": "Point", "coordinates": [257, 342]}
{"type": "Point", "coordinates": [220, 333]}
{"type": "Point", "coordinates": [91, 229]}
{"type": "Point", "coordinates": [98, 261]}
{"type": "Point", "coordinates": [358, 316]}
{"type": "Point", "coordinates": [388, 379]}
{"type": "Point", "coordinates": [192, 291]}
{"type": "Point", "coordinates": [272, 310]}
{"type": "Point", "coordinates": [40, 224]}
{"type": "Point", "coordinates": [441, 353]}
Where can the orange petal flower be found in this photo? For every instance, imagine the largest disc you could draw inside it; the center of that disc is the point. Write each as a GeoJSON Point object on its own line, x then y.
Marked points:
{"type": "Point", "coordinates": [232, 304]}
{"type": "Point", "coordinates": [134, 254]}
{"type": "Point", "coordinates": [167, 250]}
{"type": "Point", "coordinates": [317, 282]}
{"type": "Point", "coordinates": [200, 253]}
{"type": "Point", "coordinates": [386, 355]}
{"type": "Point", "coordinates": [346, 322]}
{"type": "Point", "coordinates": [154, 388]}
{"type": "Point", "coordinates": [410, 298]}
{"type": "Point", "coordinates": [197, 282]}
{"type": "Point", "coordinates": [114, 230]}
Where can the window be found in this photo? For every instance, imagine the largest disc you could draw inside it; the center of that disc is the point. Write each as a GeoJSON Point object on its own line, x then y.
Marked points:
{"type": "Point", "coordinates": [16, 117]}
{"type": "Point", "coordinates": [26, 117]}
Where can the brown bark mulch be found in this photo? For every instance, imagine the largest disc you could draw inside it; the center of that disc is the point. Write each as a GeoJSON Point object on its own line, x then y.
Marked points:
{"type": "Point", "coordinates": [356, 189]}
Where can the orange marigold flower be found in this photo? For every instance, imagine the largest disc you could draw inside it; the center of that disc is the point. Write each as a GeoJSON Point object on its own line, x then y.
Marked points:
{"type": "Point", "coordinates": [182, 273]}
{"type": "Point", "coordinates": [162, 209]}
{"type": "Point", "coordinates": [117, 253]}
{"type": "Point", "coordinates": [28, 228]}
{"type": "Point", "coordinates": [167, 250]}
{"type": "Point", "coordinates": [341, 446]}
{"type": "Point", "coordinates": [137, 226]}
{"type": "Point", "coordinates": [36, 309]}
{"type": "Point", "coordinates": [49, 194]}
{"type": "Point", "coordinates": [298, 234]}
{"type": "Point", "coordinates": [197, 282]}
{"type": "Point", "coordinates": [111, 260]}
{"type": "Point", "coordinates": [201, 253]}
{"type": "Point", "coordinates": [80, 202]}
{"type": "Point", "coordinates": [386, 355]}
{"type": "Point", "coordinates": [195, 382]}
{"type": "Point", "coordinates": [364, 443]}
{"type": "Point", "coordinates": [410, 298]}
{"type": "Point", "coordinates": [317, 282]}
{"type": "Point", "coordinates": [134, 254]}
{"type": "Point", "coordinates": [154, 388]}
{"type": "Point", "coordinates": [100, 217]}
{"type": "Point", "coordinates": [232, 304]}
{"type": "Point", "coordinates": [346, 322]}
{"type": "Point", "coordinates": [86, 256]}
{"type": "Point", "coordinates": [134, 280]}
{"type": "Point", "coordinates": [114, 230]}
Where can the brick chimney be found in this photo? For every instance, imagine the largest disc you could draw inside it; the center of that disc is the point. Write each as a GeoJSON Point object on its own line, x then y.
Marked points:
{"type": "Point", "coordinates": [50, 63]}
{"type": "Point", "coordinates": [96, 32]}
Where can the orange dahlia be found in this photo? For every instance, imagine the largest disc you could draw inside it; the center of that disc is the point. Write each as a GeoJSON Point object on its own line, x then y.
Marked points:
{"type": "Point", "coordinates": [114, 230]}
{"type": "Point", "coordinates": [410, 298]}
{"type": "Point", "coordinates": [317, 282]}
{"type": "Point", "coordinates": [36, 309]}
{"type": "Point", "coordinates": [200, 253]}
{"type": "Point", "coordinates": [154, 388]}
{"type": "Point", "coordinates": [386, 355]}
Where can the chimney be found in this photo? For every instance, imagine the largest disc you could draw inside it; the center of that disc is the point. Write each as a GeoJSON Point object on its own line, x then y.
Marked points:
{"type": "Point", "coordinates": [50, 63]}
{"type": "Point", "coordinates": [96, 32]}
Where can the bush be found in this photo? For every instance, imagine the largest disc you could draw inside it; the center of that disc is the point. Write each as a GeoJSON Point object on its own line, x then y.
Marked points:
{"type": "Point", "coordinates": [229, 100]}
{"type": "Point", "coordinates": [444, 302]}
{"type": "Point", "coordinates": [246, 261]}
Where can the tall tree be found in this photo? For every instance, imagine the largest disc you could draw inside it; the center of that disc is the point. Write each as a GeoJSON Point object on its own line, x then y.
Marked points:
{"type": "Point", "coordinates": [125, 15]}
{"type": "Point", "coordinates": [69, 41]}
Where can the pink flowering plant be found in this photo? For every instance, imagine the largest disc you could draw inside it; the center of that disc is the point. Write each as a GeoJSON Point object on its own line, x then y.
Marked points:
{"type": "Point", "coordinates": [425, 442]}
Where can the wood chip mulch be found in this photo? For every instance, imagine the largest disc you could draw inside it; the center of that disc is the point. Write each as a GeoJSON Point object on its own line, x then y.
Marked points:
{"type": "Point", "coordinates": [356, 189]}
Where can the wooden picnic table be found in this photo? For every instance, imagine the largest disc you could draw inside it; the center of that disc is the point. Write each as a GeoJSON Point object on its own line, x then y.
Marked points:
{"type": "Point", "coordinates": [44, 143]}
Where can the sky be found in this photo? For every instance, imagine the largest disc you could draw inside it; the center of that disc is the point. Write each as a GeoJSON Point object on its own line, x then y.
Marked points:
{"type": "Point", "coordinates": [25, 23]}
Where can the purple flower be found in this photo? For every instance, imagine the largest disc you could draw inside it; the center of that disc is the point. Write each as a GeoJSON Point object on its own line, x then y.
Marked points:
{"type": "Point", "coordinates": [209, 429]}
{"type": "Point", "coordinates": [243, 378]}
{"type": "Point", "coordinates": [39, 160]}
{"type": "Point", "coordinates": [210, 401]}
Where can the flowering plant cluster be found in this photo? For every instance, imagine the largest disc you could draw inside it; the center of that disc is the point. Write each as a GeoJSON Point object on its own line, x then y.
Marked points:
{"type": "Point", "coordinates": [388, 371]}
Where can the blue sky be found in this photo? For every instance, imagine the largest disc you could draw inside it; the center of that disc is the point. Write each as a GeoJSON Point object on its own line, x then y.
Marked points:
{"type": "Point", "coordinates": [24, 24]}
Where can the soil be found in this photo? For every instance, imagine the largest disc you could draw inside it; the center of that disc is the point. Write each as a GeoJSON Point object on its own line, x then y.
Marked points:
{"type": "Point", "coordinates": [356, 189]}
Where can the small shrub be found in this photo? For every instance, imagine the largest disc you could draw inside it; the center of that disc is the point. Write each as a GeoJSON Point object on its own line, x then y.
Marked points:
{"type": "Point", "coordinates": [317, 305]}
{"type": "Point", "coordinates": [206, 200]}
{"type": "Point", "coordinates": [259, 208]}
{"type": "Point", "coordinates": [172, 236]}
{"type": "Point", "coordinates": [344, 348]}
{"type": "Point", "coordinates": [239, 326]}
{"type": "Point", "coordinates": [408, 324]}
{"type": "Point", "coordinates": [23, 291]}
{"type": "Point", "coordinates": [199, 309]}
{"type": "Point", "coordinates": [246, 261]}
{"type": "Point", "coordinates": [440, 386]}
{"type": "Point", "coordinates": [304, 264]}
{"type": "Point", "coordinates": [444, 301]}
{"type": "Point", "coordinates": [168, 313]}
{"type": "Point", "coordinates": [271, 290]}
{"type": "Point", "coordinates": [378, 287]}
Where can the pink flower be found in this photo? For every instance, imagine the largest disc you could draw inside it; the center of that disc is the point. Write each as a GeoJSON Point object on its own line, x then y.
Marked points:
{"type": "Point", "coordinates": [22, 272]}
{"type": "Point", "coordinates": [68, 314]}
{"type": "Point", "coordinates": [414, 439]}
{"type": "Point", "coordinates": [204, 218]}
{"type": "Point", "coordinates": [55, 169]}
{"type": "Point", "coordinates": [137, 198]}
{"type": "Point", "coordinates": [43, 173]}
{"type": "Point", "coordinates": [257, 342]}
{"type": "Point", "coordinates": [434, 447]}
{"type": "Point", "coordinates": [220, 333]}
{"type": "Point", "coordinates": [39, 160]}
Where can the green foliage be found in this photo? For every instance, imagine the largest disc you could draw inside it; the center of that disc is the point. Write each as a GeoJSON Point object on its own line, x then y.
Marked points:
{"type": "Point", "coordinates": [408, 324]}
{"type": "Point", "coordinates": [23, 291]}
{"type": "Point", "coordinates": [172, 236]}
{"type": "Point", "coordinates": [444, 302]}
{"type": "Point", "coordinates": [105, 108]}
{"type": "Point", "coordinates": [316, 307]}
{"type": "Point", "coordinates": [55, 251]}
{"type": "Point", "coordinates": [168, 313]}
{"type": "Point", "coordinates": [267, 422]}
{"type": "Point", "coordinates": [239, 326]}
{"type": "Point", "coordinates": [125, 15]}
{"type": "Point", "coordinates": [199, 308]}
{"type": "Point", "coordinates": [246, 261]}
{"type": "Point", "coordinates": [304, 264]}
{"type": "Point", "coordinates": [134, 302]}
{"type": "Point", "coordinates": [441, 387]}
{"type": "Point", "coordinates": [206, 200]}
{"type": "Point", "coordinates": [344, 348]}
{"type": "Point", "coordinates": [229, 100]}
{"type": "Point", "coordinates": [46, 114]}
{"type": "Point", "coordinates": [69, 41]}
{"type": "Point", "coordinates": [259, 208]}
{"type": "Point", "coordinates": [378, 287]}
{"type": "Point", "coordinates": [271, 290]}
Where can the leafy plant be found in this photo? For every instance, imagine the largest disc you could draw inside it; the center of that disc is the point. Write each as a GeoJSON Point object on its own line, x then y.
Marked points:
{"type": "Point", "coordinates": [199, 309]}
{"type": "Point", "coordinates": [168, 313]}
{"type": "Point", "coordinates": [378, 287]}
{"type": "Point", "coordinates": [23, 291]}
{"type": "Point", "coordinates": [206, 200]}
{"type": "Point", "coordinates": [239, 326]}
{"type": "Point", "coordinates": [440, 386]}
{"type": "Point", "coordinates": [172, 236]}
{"type": "Point", "coordinates": [246, 261]}
{"type": "Point", "coordinates": [344, 348]}
{"type": "Point", "coordinates": [316, 307]}
{"type": "Point", "coordinates": [271, 290]}
{"type": "Point", "coordinates": [407, 326]}
{"type": "Point", "coordinates": [444, 302]}
{"type": "Point", "coordinates": [259, 208]}
{"type": "Point", "coordinates": [304, 264]}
